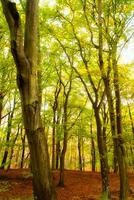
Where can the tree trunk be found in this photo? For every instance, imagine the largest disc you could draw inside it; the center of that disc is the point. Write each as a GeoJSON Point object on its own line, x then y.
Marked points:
{"type": "Point", "coordinates": [131, 120]}
{"type": "Point", "coordinates": [9, 128]}
{"type": "Point", "coordinates": [62, 163]}
{"type": "Point", "coordinates": [79, 151]}
{"type": "Point", "coordinates": [63, 152]}
{"type": "Point", "coordinates": [93, 154]}
{"type": "Point", "coordinates": [131, 144]}
{"type": "Point", "coordinates": [55, 123]}
{"type": "Point", "coordinates": [1, 106]}
{"type": "Point", "coordinates": [26, 58]}
{"type": "Point", "coordinates": [23, 139]}
{"type": "Point", "coordinates": [53, 140]}
{"type": "Point", "coordinates": [65, 130]}
{"type": "Point", "coordinates": [120, 142]}
{"type": "Point", "coordinates": [12, 149]}
{"type": "Point", "coordinates": [57, 154]}
{"type": "Point", "coordinates": [103, 156]}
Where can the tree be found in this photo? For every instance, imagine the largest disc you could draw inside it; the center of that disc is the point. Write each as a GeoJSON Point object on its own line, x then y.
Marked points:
{"type": "Point", "coordinates": [25, 53]}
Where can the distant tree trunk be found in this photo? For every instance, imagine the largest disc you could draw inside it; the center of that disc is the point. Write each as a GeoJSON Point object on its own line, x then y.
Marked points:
{"type": "Point", "coordinates": [120, 142]}
{"type": "Point", "coordinates": [65, 130]}
{"type": "Point", "coordinates": [131, 144]}
{"type": "Point", "coordinates": [25, 52]}
{"type": "Point", "coordinates": [23, 139]}
{"type": "Point", "coordinates": [9, 128]}
{"type": "Point", "coordinates": [1, 106]}
{"type": "Point", "coordinates": [93, 154]}
{"type": "Point", "coordinates": [53, 140]}
{"type": "Point", "coordinates": [58, 148]}
{"type": "Point", "coordinates": [131, 120]}
{"type": "Point", "coordinates": [79, 151]}
{"type": "Point", "coordinates": [64, 149]}
{"type": "Point", "coordinates": [57, 154]}
{"type": "Point", "coordinates": [17, 156]}
{"type": "Point", "coordinates": [12, 149]}
{"type": "Point", "coordinates": [83, 154]}
{"type": "Point", "coordinates": [55, 106]}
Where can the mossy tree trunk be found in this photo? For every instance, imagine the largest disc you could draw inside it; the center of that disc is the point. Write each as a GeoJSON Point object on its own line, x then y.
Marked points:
{"type": "Point", "coordinates": [25, 52]}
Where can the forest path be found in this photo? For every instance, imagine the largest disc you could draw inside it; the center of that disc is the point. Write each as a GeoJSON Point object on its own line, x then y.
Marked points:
{"type": "Point", "coordinates": [16, 184]}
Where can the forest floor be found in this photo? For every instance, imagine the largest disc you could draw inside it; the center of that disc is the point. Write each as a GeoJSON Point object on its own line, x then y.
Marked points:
{"type": "Point", "coordinates": [16, 184]}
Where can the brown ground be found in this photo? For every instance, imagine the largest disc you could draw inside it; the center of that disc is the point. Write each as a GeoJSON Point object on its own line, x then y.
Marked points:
{"type": "Point", "coordinates": [17, 185]}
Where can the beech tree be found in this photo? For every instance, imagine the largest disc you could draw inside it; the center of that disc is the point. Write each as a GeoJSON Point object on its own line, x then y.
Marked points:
{"type": "Point", "coordinates": [24, 49]}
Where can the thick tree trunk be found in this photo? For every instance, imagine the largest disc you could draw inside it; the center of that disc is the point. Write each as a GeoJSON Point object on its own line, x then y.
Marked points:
{"type": "Point", "coordinates": [26, 58]}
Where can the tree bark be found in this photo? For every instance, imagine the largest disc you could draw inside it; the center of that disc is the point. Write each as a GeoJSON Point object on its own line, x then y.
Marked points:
{"type": "Point", "coordinates": [9, 129]}
{"type": "Point", "coordinates": [26, 58]}
{"type": "Point", "coordinates": [65, 130]}
{"type": "Point", "coordinates": [93, 154]}
{"type": "Point", "coordinates": [1, 106]}
{"type": "Point", "coordinates": [120, 142]}
{"type": "Point", "coordinates": [23, 139]}
{"type": "Point", "coordinates": [103, 156]}
{"type": "Point", "coordinates": [100, 136]}
{"type": "Point", "coordinates": [12, 149]}
{"type": "Point", "coordinates": [79, 151]}
{"type": "Point", "coordinates": [55, 106]}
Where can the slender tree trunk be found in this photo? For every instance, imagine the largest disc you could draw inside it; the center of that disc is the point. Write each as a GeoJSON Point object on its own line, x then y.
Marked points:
{"type": "Point", "coordinates": [55, 123]}
{"type": "Point", "coordinates": [25, 53]}
{"type": "Point", "coordinates": [23, 139]}
{"type": "Point", "coordinates": [83, 154]}
{"type": "Point", "coordinates": [12, 149]}
{"type": "Point", "coordinates": [79, 152]}
{"type": "Point", "coordinates": [57, 154]}
{"type": "Point", "coordinates": [120, 142]}
{"type": "Point", "coordinates": [62, 163]}
{"type": "Point", "coordinates": [103, 156]}
{"type": "Point", "coordinates": [132, 126]}
{"type": "Point", "coordinates": [58, 147]}
{"type": "Point", "coordinates": [9, 128]}
{"type": "Point", "coordinates": [93, 154]}
{"type": "Point", "coordinates": [65, 130]}
{"type": "Point", "coordinates": [63, 152]}
{"type": "Point", "coordinates": [53, 140]}
{"type": "Point", "coordinates": [100, 136]}
{"type": "Point", "coordinates": [131, 120]}
{"type": "Point", "coordinates": [1, 106]}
